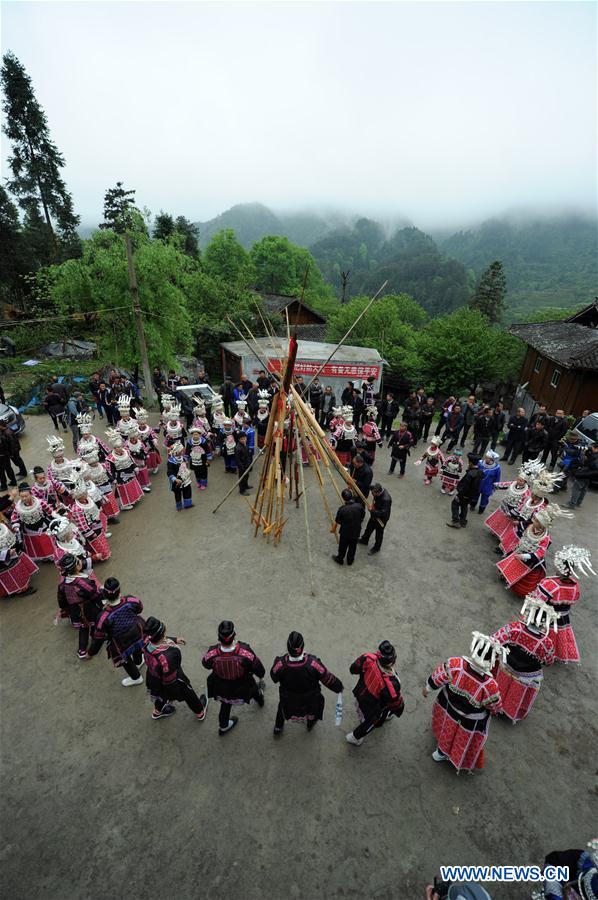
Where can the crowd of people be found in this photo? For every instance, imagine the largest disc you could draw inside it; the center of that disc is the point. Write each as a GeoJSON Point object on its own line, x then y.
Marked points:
{"type": "Point", "coordinates": [66, 513]}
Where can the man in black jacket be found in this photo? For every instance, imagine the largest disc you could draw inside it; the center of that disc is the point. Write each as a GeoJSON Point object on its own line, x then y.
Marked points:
{"type": "Point", "coordinates": [535, 442]}
{"type": "Point", "coordinates": [242, 460]}
{"type": "Point", "coordinates": [11, 442]}
{"type": "Point", "coordinates": [588, 471]}
{"type": "Point", "coordinates": [6, 472]}
{"type": "Point", "coordinates": [468, 492]}
{"type": "Point", "coordinates": [482, 431]}
{"type": "Point", "coordinates": [541, 415]}
{"type": "Point", "coordinates": [362, 475]}
{"type": "Point", "coordinates": [469, 411]}
{"type": "Point", "coordinates": [358, 408]}
{"type": "Point", "coordinates": [556, 431]}
{"type": "Point", "coordinates": [389, 410]}
{"type": "Point", "coordinates": [226, 392]}
{"type": "Point", "coordinates": [515, 436]}
{"type": "Point", "coordinates": [498, 423]}
{"type": "Point", "coordinates": [400, 444]}
{"type": "Point", "coordinates": [425, 417]}
{"type": "Point", "coordinates": [316, 392]}
{"type": "Point", "coordinates": [379, 516]}
{"type": "Point", "coordinates": [348, 519]}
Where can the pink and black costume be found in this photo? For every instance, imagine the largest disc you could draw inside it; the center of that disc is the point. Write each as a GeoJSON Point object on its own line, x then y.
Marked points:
{"type": "Point", "coordinates": [165, 679]}
{"type": "Point", "coordinates": [561, 592]}
{"type": "Point", "coordinates": [530, 647]}
{"type": "Point", "coordinates": [120, 627]}
{"type": "Point", "coordinates": [31, 522]}
{"type": "Point", "coordinates": [461, 714]}
{"type": "Point", "coordinates": [123, 472]}
{"type": "Point", "coordinates": [16, 568]}
{"type": "Point", "coordinates": [233, 666]}
{"type": "Point", "coordinates": [377, 693]}
{"type": "Point", "coordinates": [80, 599]}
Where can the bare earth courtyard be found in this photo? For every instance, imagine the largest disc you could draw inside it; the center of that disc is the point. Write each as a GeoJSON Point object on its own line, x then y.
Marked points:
{"type": "Point", "coordinates": [100, 801]}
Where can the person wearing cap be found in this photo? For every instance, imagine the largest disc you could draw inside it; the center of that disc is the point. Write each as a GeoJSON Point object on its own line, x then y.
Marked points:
{"type": "Point", "coordinates": [468, 696]}
{"type": "Point", "coordinates": [120, 627]}
{"type": "Point", "coordinates": [165, 679]}
{"type": "Point", "coordinates": [490, 469]}
{"type": "Point", "coordinates": [378, 691]}
{"type": "Point", "coordinates": [379, 516]}
{"type": "Point", "coordinates": [348, 523]}
{"type": "Point", "coordinates": [468, 492]}
{"type": "Point", "coordinates": [300, 676]}
{"type": "Point", "coordinates": [79, 599]}
{"type": "Point", "coordinates": [233, 666]}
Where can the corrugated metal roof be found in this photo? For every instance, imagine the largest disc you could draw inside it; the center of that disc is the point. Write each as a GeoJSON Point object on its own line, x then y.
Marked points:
{"type": "Point", "coordinates": [307, 350]}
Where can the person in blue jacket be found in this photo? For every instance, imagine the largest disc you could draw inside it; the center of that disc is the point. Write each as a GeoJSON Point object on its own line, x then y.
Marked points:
{"type": "Point", "coordinates": [490, 468]}
{"type": "Point", "coordinates": [250, 432]}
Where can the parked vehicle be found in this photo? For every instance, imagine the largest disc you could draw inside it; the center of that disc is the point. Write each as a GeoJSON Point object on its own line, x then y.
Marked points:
{"type": "Point", "coordinates": [588, 429]}
{"type": "Point", "coordinates": [205, 391]}
{"type": "Point", "coordinates": [12, 417]}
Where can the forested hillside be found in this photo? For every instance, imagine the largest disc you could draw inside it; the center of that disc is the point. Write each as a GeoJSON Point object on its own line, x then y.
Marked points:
{"type": "Point", "coordinates": [253, 221]}
{"type": "Point", "coordinates": [548, 262]}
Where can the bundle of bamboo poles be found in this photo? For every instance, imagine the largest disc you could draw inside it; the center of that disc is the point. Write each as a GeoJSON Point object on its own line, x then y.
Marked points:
{"type": "Point", "coordinates": [293, 434]}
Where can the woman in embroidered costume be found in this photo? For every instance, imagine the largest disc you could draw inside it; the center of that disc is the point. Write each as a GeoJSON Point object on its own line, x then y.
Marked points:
{"type": "Point", "coordinates": [344, 435]}
{"type": "Point", "coordinates": [69, 541]}
{"type": "Point", "coordinates": [197, 455]}
{"type": "Point", "coordinates": [262, 416]}
{"type": "Point", "coordinates": [123, 471]}
{"type": "Point", "coordinates": [561, 592]}
{"type": "Point", "coordinates": [179, 477]}
{"type": "Point", "coordinates": [149, 439]}
{"type": "Point", "coordinates": [62, 472]}
{"type": "Point", "coordinates": [541, 485]}
{"type": "Point", "coordinates": [468, 696]}
{"type": "Point", "coordinates": [504, 519]}
{"type": "Point", "coordinates": [530, 646]}
{"type": "Point", "coordinates": [16, 568]}
{"type": "Point", "coordinates": [31, 518]}
{"type": "Point", "coordinates": [174, 429]}
{"type": "Point", "coordinates": [85, 514]}
{"type": "Point", "coordinates": [138, 453]}
{"type": "Point", "coordinates": [451, 472]}
{"type": "Point", "coordinates": [79, 599]}
{"type": "Point", "coordinates": [100, 475]}
{"type": "Point", "coordinates": [371, 432]}
{"type": "Point", "coordinates": [523, 568]}
{"type": "Point", "coordinates": [433, 459]}
{"type": "Point", "coordinates": [88, 441]}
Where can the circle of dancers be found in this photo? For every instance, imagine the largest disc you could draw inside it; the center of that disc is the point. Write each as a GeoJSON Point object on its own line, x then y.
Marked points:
{"type": "Point", "coordinates": [64, 517]}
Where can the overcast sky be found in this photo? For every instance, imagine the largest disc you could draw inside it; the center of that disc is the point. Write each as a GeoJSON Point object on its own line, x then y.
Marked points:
{"type": "Point", "coordinates": [441, 112]}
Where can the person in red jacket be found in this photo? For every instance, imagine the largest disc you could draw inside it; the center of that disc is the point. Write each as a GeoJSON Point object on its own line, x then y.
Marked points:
{"type": "Point", "coordinates": [231, 681]}
{"type": "Point", "coordinates": [165, 679]}
{"type": "Point", "coordinates": [378, 691]}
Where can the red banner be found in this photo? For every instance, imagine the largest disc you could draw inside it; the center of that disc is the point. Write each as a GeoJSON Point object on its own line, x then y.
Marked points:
{"type": "Point", "coordinates": [330, 370]}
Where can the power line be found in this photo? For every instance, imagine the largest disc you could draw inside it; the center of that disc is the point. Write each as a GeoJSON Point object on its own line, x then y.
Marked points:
{"type": "Point", "coordinates": [77, 316]}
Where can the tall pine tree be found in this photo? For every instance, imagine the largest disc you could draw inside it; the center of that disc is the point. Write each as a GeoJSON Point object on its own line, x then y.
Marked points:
{"type": "Point", "coordinates": [120, 212]}
{"type": "Point", "coordinates": [490, 293]}
{"type": "Point", "coordinates": [35, 163]}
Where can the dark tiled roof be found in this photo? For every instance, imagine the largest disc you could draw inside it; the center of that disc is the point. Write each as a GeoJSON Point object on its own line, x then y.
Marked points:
{"type": "Point", "coordinates": [277, 303]}
{"type": "Point", "coordinates": [567, 343]}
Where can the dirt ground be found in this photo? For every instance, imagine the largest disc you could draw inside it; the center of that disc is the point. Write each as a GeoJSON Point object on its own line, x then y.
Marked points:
{"type": "Point", "coordinates": [99, 801]}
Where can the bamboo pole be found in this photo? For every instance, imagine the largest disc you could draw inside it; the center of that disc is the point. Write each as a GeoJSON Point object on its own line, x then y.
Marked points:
{"type": "Point", "coordinates": [307, 531]}
{"type": "Point", "coordinates": [344, 338]}
{"type": "Point", "coordinates": [236, 484]}
{"type": "Point", "coordinates": [320, 480]}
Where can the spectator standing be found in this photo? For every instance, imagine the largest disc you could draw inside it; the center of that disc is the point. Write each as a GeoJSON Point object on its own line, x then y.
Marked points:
{"type": "Point", "coordinates": [425, 417]}
{"type": "Point", "coordinates": [55, 407]}
{"type": "Point", "coordinates": [13, 444]}
{"type": "Point", "coordinates": [73, 408]}
{"type": "Point", "coordinates": [583, 475]}
{"type": "Point", "coordinates": [498, 424]}
{"type": "Point", "coordinates": [482, 431]}
{"type": "Point", "coordinates": [226, 392]}
{"type": "Point", "coordinates": [444, 414]}
{"type": "Point", "coordinates": [316, 392]}
{"type": "Point", "coordinates": [388, 412]}
{"type": "Point", "coordinates": [516, 429]}
{"type": "Point", "coordinates": [328, 401]}
{"type": "Point", "coordinates": [470, 411]}
{"type": "Point", "coordinates": [555, 432]}
{"type": "Point", "coordinates": [468, 493]}
{"type": "Point", "coordinates": [536, 441]}
{"type": "Point", "coordinates": [348, 519]}
{"type": "Point", "coordinates": [6, 471]}
{"type": "Point", "coordinates": [454, 424]}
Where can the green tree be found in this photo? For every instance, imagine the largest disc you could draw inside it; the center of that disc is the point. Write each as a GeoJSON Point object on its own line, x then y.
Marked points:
{"type": "Point", "coordinates": [460, 350]}
{"type": "Point", "coordinates": [35, 163]}
{"type": "Point", "coordinates": [490, 293]}
{"type": "Point", "coordinates": [120, 213]}
{"type": "Point", "coordinates": [225, 258]}
{"type": "Point", "coordinates": [16, 256]}
{"type": "Point", "coordinates": [389, 326]}
{"type": "Point", "coordinates": [190, 233]}
{"type": "Point", "coordinates": [279, 268]}
{"type": "Point", "coordinates": [163, 227]}
{"type": "Point", "coordinates": [97, 287]}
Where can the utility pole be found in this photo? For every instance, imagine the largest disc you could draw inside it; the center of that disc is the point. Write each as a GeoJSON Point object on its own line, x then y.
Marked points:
{"type": "Point", "coordinates": [344, 282]}
{"type": "Point", "coordinates": [147, 375]}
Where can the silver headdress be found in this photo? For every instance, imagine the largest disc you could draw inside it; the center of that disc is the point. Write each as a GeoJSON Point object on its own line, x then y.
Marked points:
{"type": "Point", "coordinates": [60, 526]}
{"type": "Point", "coordinates": [531, 469]}
{"type": "Point", "coordinates": [55, 445]}
{"type": "Point", "coordinates": [141, 414]}
{"type": "Point", "coordinates": [124, 405]}
{"type": "Point", "coordinates": [545, 482]}
{"type": "Point", "coordinates": [548, 514]}
{"type": "Point", "coordinates": [7, 537]}
{"type": "Point", "coordinates": [114, 438]}
{"type": "Point", "coordinates": [485, 651]}
{"type": "Point", "coordinates": [85, 422]}
{"type": "Point", "coordinates": [538, 613]}
{"type": "Point", "coordinates": [177, 447]}
{"type": "Point", "coordinates": [574, 561]}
